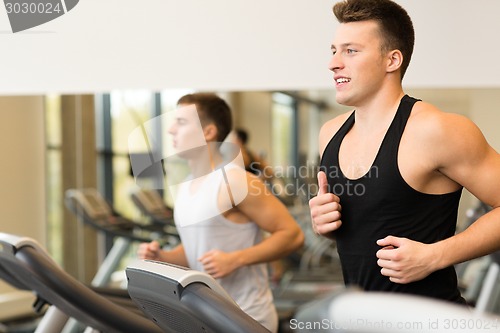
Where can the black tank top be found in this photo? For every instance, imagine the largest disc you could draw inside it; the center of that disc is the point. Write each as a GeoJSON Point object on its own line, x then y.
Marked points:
{"type": "Point", "coordinates": [380, 204]}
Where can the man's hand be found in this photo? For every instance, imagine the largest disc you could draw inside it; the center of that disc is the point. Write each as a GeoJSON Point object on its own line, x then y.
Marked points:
{"type": "Point", "coordinates": [218, 263]}
{"type": "Point", "coordinates": [404, 260]}
{"type": "Point", "coordinates": [149, 251]}
{"type": "Point", "coordinates": [325, 208]}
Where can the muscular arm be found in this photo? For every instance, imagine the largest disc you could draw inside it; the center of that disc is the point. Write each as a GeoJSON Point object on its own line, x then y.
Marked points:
{"type": "Point", "coordinates": [460, 153]}
{"type": "Point", "coordinates": [264, 209]}
{"type": "Point", "coordinates": [471, 162]}
{"type": "Point", "coordinates": [261, 207]}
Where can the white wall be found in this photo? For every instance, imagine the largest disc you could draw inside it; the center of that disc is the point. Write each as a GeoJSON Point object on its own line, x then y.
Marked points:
{"type": "Point", "coordinates": [232, 45]}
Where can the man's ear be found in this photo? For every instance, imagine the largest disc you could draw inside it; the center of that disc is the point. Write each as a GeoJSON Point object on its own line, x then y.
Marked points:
{"type": "Point", "coordinates": [210, 132]}
{"type": "Point", "coordinates": [394, 61]}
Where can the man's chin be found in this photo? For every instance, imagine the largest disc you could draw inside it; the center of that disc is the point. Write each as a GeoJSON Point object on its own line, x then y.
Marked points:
{"type": "Point", "coordinates": [342, 102]}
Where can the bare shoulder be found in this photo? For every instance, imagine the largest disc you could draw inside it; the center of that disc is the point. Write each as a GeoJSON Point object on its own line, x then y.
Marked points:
{"type": "Point", "coordinates": [329, 129]}
{"type": "Point", "coordinates": [456, 148]}
{"type": "Point", "coordinates": [433, 123]}
{"type": "Point", "coordinates": [446, 134]}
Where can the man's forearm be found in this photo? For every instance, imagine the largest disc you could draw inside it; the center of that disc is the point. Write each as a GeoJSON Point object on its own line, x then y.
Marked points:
{"type": "Point", "coordinates": [479, 239]}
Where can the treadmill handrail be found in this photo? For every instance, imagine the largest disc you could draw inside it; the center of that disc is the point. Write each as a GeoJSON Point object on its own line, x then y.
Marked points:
{"type": "Point", "coordinates": [20, 241]}
{"type": "Point", "coordinates": [35, 269]}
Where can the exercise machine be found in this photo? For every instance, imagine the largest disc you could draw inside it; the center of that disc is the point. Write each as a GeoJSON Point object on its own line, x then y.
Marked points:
{"type": "Point", "coordinates": [352, 310]}
{"type": "Point", "coordinates": [151, 204]}
{"type": "Point", "coordinates": [95, 211]}
{"type": "Point", "coordinates": [89, 204]}
{"type": "Point", "coordinates": [25, 264]}
{"type": "Point", "coordinates": [185, 300]}
{"type": "Point", "coordinates": [177, 299]}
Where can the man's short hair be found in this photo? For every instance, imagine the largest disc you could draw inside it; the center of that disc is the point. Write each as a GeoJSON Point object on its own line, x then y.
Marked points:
{"type": "Point", "coordinates": [211, 109]}
{"type": "Point", "coordinates": [396, 27]}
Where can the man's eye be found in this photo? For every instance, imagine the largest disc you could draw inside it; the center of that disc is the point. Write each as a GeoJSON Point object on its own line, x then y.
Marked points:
{"type": "Point", "coordinates": [350, 51]}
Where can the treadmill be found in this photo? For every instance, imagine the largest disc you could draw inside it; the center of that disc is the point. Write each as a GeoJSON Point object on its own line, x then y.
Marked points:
{"type": "Point", "coordinates": [186, 300]}
{"type": "Point", "coordinates": [175, 298]}
{"type": "Point", "coordinates": [26, 265]}
{"type": "Point", "coordinates": [88, 204]}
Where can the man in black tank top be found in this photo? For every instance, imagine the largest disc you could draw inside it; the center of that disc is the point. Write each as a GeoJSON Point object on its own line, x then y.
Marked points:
{"type": "Point", "coordinates": [392, 170]}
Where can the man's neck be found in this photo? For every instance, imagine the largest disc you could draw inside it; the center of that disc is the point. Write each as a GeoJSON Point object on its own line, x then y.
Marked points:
{"type": "Point", "coordinates": [377, 113]}
{"type": "Point", "coordinates": [205, 161]}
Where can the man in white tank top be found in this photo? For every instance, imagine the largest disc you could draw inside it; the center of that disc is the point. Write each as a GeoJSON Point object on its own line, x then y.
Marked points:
{"type": "Point", "coordinates": [221, 212]}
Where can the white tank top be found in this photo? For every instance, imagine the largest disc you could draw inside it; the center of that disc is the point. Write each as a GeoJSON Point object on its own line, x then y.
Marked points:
{"type": "Point", "coordinates": [248, 285]}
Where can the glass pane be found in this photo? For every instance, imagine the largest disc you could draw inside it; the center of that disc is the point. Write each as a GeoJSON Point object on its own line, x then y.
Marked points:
{"type": "Point", "coordinates": [53, 127]}
{"type": "Point", "coordinates": [55, 205]}
{"type": "Point", "coordinates": [123, 183]}
{"type": "Point", "coordinates": [129, 110]}
{"type": "Point", "coordinates": [282, 130]}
